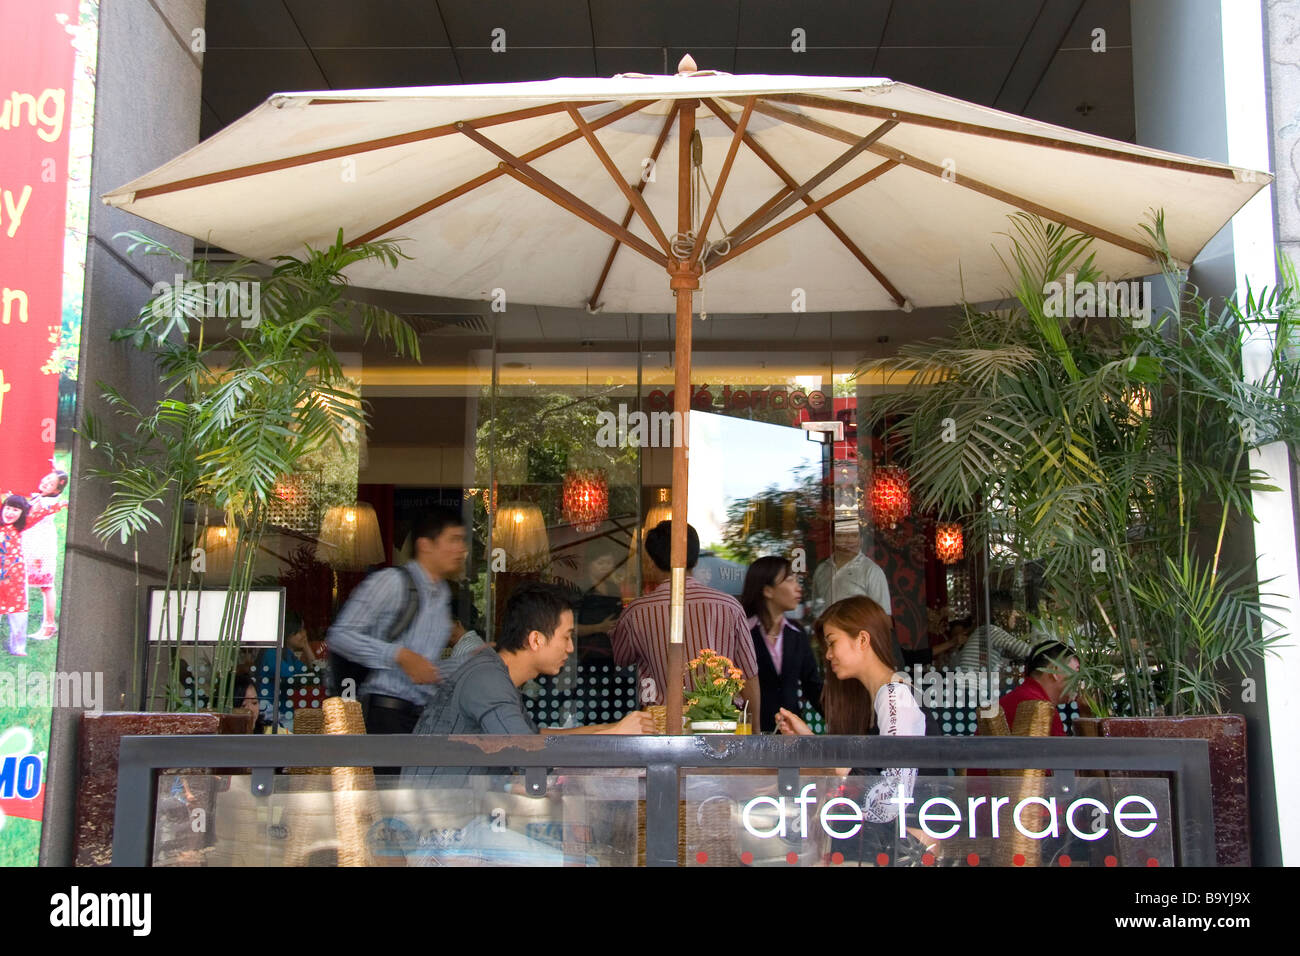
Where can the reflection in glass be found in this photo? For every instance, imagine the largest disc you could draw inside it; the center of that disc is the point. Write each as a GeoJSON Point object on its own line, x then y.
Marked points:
{"type": "Point", "coordinates": [583, 819]}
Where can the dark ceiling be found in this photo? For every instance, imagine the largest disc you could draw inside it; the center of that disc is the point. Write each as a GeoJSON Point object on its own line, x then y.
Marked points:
{"type": "Point", "coordinates": [1032, 57]}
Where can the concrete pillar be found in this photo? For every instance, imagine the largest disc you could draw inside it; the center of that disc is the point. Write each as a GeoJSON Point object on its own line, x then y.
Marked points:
{"type": "Point", "coordinates": [1271, 131]}
{"type": "Point", "coordinates": [146, 112]}
{"type": "Point", "coordinates": [1200, 75]}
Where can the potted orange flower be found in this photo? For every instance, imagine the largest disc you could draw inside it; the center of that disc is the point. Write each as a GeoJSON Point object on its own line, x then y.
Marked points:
{"type": "Point", "coordinates": [715, 682]}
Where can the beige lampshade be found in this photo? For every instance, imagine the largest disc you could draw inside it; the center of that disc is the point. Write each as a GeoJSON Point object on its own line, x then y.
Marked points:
{"type": "Point", "coordinates": [661, 510]}
{"type": "Point", "coordinates": [218, 544]}
{"type": "Point", "coordinates": [520, 530]}
{"type": "Point", "coordinates": [349, 538]}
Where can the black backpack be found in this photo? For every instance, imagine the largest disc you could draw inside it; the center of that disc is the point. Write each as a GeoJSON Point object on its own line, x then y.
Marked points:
{"type": "Point", "coordinates": [341, 669]}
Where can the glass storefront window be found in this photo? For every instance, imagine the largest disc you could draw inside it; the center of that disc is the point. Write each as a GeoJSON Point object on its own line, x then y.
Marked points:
{"type": "Point", "coordinates": [551, 432]}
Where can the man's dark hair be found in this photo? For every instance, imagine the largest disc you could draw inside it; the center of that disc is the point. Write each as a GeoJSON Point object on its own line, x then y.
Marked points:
{"type": "Point", "coordinates": [434, 521]}
{"type": "Point", "coordinates": [659, 545]}
{"type": "Point", "coordinates": [532, 607]}
{"type": "Point", "coordinates": [462, 607]}
{"type": "Point", "coordinates": [1001, 601]}
{"type": "Point", "coordinates": [1044, 655]}
{"type": "Point", "coordinates": [239, 687]}
{"type": "Point", "coordinates": [292, 623]}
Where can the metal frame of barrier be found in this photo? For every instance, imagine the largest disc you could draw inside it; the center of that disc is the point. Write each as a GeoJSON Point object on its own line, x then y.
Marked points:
{"type": "Point", "coordinates": [662, 758]}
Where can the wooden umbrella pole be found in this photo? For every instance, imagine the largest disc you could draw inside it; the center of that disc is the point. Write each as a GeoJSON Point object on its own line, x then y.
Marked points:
{"type": "Point", "coordinates": [684, 280]}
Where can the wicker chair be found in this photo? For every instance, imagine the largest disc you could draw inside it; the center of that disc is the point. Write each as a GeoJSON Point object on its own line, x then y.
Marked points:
{"type": "Point", "coordinates": [354, 802]}
{"type": "Point", "coordinates": [309, 720]}
{"type": "Point", "coordinates": [1033, 719]}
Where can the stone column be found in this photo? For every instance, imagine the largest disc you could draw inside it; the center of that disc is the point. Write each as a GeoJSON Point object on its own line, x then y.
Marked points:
{"type": "Point", "coordinates": [1201, 76]}
{"type": "Point", "coordinates": [146, 112]}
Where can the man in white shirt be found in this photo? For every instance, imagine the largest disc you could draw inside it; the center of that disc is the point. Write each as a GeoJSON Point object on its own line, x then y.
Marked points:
{"type": "Point", "coordinates": [848, 572]}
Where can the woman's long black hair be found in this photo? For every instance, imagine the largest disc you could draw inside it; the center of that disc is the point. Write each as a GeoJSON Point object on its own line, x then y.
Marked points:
{"type": "Point", "coordinates": [765, 571]}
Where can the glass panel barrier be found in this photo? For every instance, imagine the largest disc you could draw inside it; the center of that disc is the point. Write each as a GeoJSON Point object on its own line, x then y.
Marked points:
{"type": "Point", "coordinates": [741, 819]}
{"type": "Point", "coordinates": [728, 819]}
{"type": "Point", "coordinates": [583, 819]}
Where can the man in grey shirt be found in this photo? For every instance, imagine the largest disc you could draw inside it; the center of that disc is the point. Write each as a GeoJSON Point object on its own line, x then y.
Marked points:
{"type": "Point", "coordinates": [481, 695]}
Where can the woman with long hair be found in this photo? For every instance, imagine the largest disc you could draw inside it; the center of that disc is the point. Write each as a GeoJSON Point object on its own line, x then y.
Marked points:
{"type": "Point", "coordinates": [862, 694]}
{"type": "Point", "coordinates": [786, 663]}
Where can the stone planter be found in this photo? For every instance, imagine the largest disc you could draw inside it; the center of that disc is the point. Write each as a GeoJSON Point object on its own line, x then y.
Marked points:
{"type": "Point", "coordinates": [97, 752]}
{"type": "Point", "coordinates": [1227, 736]}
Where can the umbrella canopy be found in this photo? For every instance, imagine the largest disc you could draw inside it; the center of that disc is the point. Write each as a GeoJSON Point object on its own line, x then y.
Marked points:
{"type": "Point", "coordinates": [865, 193]}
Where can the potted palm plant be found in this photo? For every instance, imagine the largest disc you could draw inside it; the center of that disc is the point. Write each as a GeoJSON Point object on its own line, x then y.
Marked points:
{"type": "Point", "coordinates": [250, 388]}
{"type": "Point", "coordinates": [1111, 446]}
{"type": "Point", "coordinates": [246, 399]}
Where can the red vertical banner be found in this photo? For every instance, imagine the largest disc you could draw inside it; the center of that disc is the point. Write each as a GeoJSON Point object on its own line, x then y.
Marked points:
{"type": "Point", "coordinates": [36, 77]}
{"type": "Point", "coordinates": [47, 50]}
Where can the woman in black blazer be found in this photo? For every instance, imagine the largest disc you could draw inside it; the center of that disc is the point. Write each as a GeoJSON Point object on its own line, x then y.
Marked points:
{"type": "Point", "coordinates": [786, 663]}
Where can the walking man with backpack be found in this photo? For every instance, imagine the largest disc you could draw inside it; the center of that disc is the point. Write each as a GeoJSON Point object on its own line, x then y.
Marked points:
{"type": "Point", "coordinates": [395, 625]}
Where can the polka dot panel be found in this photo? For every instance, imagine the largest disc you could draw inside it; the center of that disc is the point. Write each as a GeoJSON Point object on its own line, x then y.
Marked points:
{"type": "Point", "coordinates": [595, 693]}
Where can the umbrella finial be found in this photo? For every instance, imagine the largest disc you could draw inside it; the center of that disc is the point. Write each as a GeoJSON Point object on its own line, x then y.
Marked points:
{"type": "Point", "coordinates": [686, 65]}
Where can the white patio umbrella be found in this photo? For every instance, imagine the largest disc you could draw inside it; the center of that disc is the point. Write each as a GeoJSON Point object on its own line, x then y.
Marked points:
{"type": "Point", "coordinates": [863, 193]}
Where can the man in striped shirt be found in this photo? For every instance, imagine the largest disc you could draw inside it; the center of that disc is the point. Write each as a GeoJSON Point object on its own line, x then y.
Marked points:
{"type": "Point", "coordinates": [712, 619]}
{"type": "Point", "coordinates": [992, 648]}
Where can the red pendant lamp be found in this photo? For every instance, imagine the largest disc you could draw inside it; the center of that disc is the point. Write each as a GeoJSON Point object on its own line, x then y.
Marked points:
{"type": "Point", "coordinates": [584, 499]}
{"type": "Point", "coordinates": [891, 496]}
{"type": "Point", "coordinates": [948, 543]}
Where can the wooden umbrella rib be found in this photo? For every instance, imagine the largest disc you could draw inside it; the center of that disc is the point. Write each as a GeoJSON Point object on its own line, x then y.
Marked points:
{"type": "Point", "coordinates": [804, 213]}
{"type": "Point", "coordinates": [974, 129]}
{"type": "Point", "coordinates": [830, 169]}
{"type": "Point", "coordinates": [743, 227]}
{"type": "Point", "coordinates": [531, 177]}
{"type": "Point", "coordinates": [494, 173]}
{"type": "Point", "coordinates": [975, 185]}
{"type": "Point", "coordinates": [899, 299]}
{"type": "Point", "coordinates": [1028, 205]}
{"type": "Point", "coordinates": [589, 215]}
{"type": "Point", "coordinates": [629, 193]}
{"type": "Point", "coordinates": [791, 184]}
{"type": "Point", "coordinates": [336, 152]}
{"type": "Point", "coordinates": [806, 122]}
{"type": "Point", "coordinates": [594, 300]}
{"type": "Point", "coordinates": [737, 136]}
